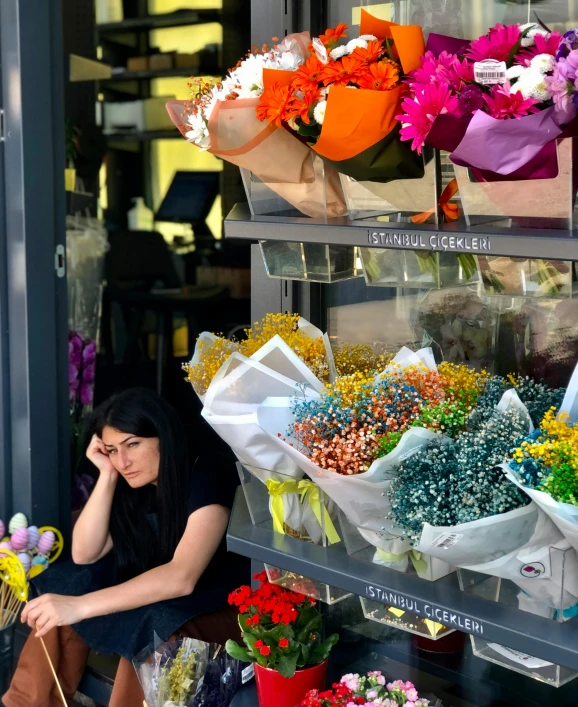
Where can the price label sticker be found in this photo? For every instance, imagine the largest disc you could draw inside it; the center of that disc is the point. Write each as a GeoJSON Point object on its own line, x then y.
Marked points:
{"type": "Point", "coordinates": [490, 72]}
{"type": "Point", "coordinates": [447, 540]}
{"type": "Point", "coordinates": [248, 673]}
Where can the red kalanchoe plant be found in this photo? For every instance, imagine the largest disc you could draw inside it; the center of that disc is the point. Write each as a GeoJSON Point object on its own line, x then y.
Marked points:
{"type": "Point", "coordinates": [281, 629]}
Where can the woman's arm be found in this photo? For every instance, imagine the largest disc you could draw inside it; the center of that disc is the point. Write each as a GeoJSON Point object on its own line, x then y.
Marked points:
{"type": "Point", "coordinates": [204, 532]}
{"type": "Point", "coordinates": [91, 538]}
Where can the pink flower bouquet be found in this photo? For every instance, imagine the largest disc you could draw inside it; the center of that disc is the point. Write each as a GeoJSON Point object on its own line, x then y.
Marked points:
{"type": "Point", "coordinates": [371, 690]}
{"type": "Point", "coordinates": [497, 104]}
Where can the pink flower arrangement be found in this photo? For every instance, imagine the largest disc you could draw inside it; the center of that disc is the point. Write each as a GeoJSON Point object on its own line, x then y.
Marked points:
{"type": "Point", "coordinates": [421, 111]}
{"type": "Point", "coordinates": [371, 690]}
{"type": "Point", "coordinates": [503, 103]}
{"type": "Point", "coordinates": [527, 82]}
{"type": "Point", "coordinates": [500, 42]}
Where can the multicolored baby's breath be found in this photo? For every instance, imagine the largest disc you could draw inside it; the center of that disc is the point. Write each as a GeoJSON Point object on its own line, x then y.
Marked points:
{"type": "Point", "coordinates": [538, 398]}
{"type": "Point", "coordinates": [363, 358]}
{"type": "Point", "coordinates": [461, 383]}
{"type": "Point", "coordinates": [212, 354]}
{"type": "Point", "coordinates": [457, 481]}
{"type": "Point", "coordinates": [341, 431]}
{"type": "Point", "coordinates": [548, 458]}
{"type": "Point", "coordinates": [362, 417]}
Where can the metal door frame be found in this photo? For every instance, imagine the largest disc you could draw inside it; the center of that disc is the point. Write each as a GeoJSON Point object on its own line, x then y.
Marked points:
{"type": "Point", "coordinates": [34, 429]}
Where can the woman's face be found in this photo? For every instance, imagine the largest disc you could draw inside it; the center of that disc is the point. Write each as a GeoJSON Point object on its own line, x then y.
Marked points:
{"type": "Point", "coordinates": [137, 459]}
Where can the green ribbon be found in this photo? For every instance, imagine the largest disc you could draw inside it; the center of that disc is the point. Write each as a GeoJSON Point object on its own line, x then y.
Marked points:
{"type": "Point", "coordinates": [418, 562]}
{"type": "Point", "coordinates": [277, 489]}
{"type": "Point", "coordinates": [311, 493]}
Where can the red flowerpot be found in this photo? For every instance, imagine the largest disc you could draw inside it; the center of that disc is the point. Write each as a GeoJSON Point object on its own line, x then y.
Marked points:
{"type": "Point", "coordinates": [274, 690]}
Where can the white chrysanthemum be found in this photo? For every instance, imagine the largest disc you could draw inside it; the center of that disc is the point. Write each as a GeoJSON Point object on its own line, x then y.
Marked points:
{"type": "Point", "coordinates": [288, 61]}
{"type": "Point", "coordinates": [514, 72]}
{"type": "Point", "coordinates": [353, 44]}
{"type": "Point", "coordinates": [368, 37]}
{"type": "Point", "coordinates": [319, 112]}
{"type": "Point", "coordinates": [199, 133]}
{"type": "Point", "coordinates": [338, 52]}
{"type": "Point", "coordinates": [543, 63]}
{"type": "Point", "coordinates": [533, 84]}
{"type": "Point", "coordinates": [249, 75]}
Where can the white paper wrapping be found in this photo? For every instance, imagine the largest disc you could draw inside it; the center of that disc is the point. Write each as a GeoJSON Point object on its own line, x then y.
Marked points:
{"type": "Point", "coordinates": [363, 498]}
{"type": "Point", "coordinates": [230, 407]}
{"type": "Point", "coordinates": [514, 546]}
{"type": "Point", "coordinates": [564, 515]}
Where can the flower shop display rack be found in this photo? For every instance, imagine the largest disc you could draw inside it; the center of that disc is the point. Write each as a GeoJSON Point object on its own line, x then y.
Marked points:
{"type": "Point", "coordinates": [467, 251]}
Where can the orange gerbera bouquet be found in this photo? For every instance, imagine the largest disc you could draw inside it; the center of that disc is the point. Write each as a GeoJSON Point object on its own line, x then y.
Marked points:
{"type": "Point", "coordinates": [343, 99]}
{"type": "Point", "coordinates": [221, 118]}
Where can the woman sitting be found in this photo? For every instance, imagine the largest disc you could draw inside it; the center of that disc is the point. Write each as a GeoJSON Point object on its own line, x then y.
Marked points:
{"type": "Point", "coordinates": [149, 556]}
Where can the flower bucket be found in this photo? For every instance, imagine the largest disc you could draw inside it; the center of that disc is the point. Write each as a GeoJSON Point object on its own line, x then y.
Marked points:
{"type": "Point", "coordinates": [409, 618]}
{"type": "Point", "coordinates": [285, 505]}
{"type": "Point", "coordinates": [401, 197]}
{"type": "Point", "coordinates": [319, 195]}
{"type": "Point", "coordinates": [420, 269]}
{"type": "Point", "coordinates": [310, 262]}
{"type": "Point", "coordinates": [531, 203]}
{"type": "Point", "coordinates": [273, 690]}
{"type": "Point", "coordinates": [559, 607]}
{"type": "Point", "coordinates": [520, 277]}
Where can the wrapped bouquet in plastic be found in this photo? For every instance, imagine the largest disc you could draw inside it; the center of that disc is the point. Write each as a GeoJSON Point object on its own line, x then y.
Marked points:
{"type": "Point", "coordinates": [281, 355]}
{"type": "Point", "coordinates": [502, 106]}
{"type": "Point", "coordinates": [351, 439]}
{"type": "Point", "coordinates": [170, 673]}
{"type": "Point", "coordinates": [455, 503]}
{"type": "Point", "coordinates": [355, 131]}
{"type": "Point", "coordinates": [221, 118]}
{"type": "Point", "coordinates": [545, 464]}
{"type": "Point", "coordinates": [186, 672]}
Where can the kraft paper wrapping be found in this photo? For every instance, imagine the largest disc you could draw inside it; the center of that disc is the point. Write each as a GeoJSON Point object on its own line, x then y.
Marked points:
{"type": "Point", "coordinates": [273, 154]}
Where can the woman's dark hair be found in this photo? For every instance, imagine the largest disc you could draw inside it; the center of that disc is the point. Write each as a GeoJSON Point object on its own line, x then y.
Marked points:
{"type": "Point", "coordinates": [137, 547]}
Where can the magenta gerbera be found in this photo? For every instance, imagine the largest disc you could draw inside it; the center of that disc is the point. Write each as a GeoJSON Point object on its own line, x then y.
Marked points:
{"type": "Point", "coordinates": [446, 68]}
{"type": "Point", "coordinates": [421, 111]}
{"type": "Point", "coordinates": [543, 45]}
{"type": "Point", "coordinates": [503, 103]}
{"type": "Point", "coordinates": [497, 44]}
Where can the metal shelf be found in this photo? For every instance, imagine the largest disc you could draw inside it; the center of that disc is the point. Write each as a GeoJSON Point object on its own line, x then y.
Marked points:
{"type": "Point", "coordinates": [480, 240]}
{"type": "Point", "coordinates": [442, 600]}
{"type": "Point", "coordinates": [171, 19]}
{"type": "Point", "coordinates": [134, 136]}
{"type": "Point", "coordinates": [164, 73]}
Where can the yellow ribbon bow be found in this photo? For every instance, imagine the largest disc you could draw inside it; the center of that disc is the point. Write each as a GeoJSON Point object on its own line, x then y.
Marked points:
{"type": "Point", "coordinates": [277, 489]}
{"type": "Point", "coordinates": [311, 493]}
{"type": "Point", "coordinates": [418, 562]}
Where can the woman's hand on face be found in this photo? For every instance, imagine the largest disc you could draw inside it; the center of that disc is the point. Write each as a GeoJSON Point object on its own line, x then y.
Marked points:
{"type": "Point", "coordinates": [97, 454]}
{"type": "Point", "coordinates": [51, 610]}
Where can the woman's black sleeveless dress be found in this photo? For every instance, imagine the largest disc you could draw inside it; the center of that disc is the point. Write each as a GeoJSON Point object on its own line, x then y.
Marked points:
{"type": "Point", "coordinates": [126, 633]}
